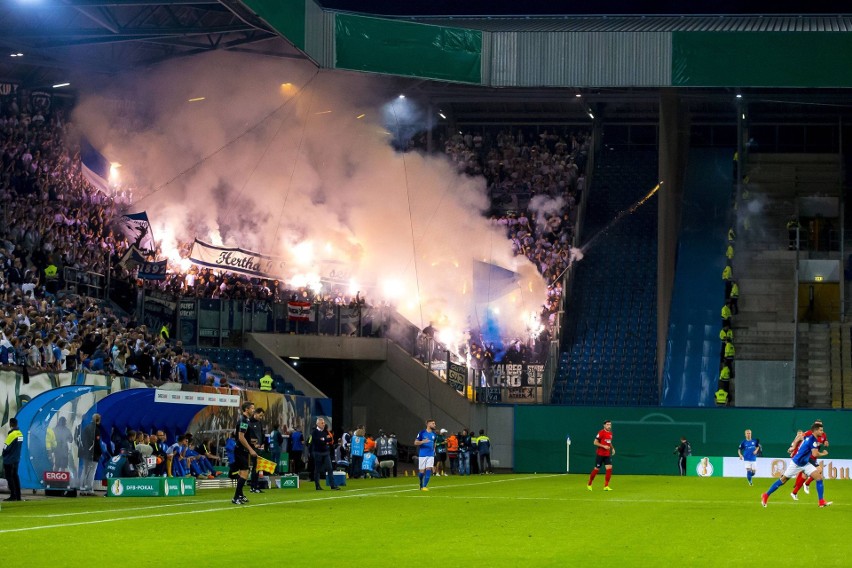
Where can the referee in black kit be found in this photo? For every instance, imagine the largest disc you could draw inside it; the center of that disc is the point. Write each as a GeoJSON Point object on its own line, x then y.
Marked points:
{"type": "Point", "coordinates": [244, 450]}
{"type": "Point", "coordinates": [320, 450]}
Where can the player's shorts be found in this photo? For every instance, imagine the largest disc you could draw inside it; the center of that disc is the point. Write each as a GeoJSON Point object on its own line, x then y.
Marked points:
{"type": "Point", "coordinates": [752, 465]}
{"type": "Point", "coordinates": [241, 461]}
{"type": "Point", "coordinates": [602, 460]}
{"type": "Point", "coordinates": [427, 462]}
{"type": "Point", "coordinates": [793, 470]}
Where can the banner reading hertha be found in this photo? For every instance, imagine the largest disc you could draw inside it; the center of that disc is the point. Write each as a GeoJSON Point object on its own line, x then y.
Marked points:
{"type": "Point", "coordinates": [300, 311]}
{"type": "Point", "coordinates": [237, 260]}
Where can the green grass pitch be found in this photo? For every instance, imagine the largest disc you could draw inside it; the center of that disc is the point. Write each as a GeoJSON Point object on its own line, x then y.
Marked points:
{"type": "Point", "coordinates": [497, 520]}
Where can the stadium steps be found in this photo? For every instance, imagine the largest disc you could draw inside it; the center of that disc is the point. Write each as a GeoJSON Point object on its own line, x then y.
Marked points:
{"type": "Point", "coordinates": [802, 392]}
{"type": "Point", "coordinates": [691, 366]}
{"type": "Point", "coordinates": [819, 366]}
{"type": "Point", "coordinates": [846, 367]}
{"type": "Point", "coordinates": [836, 366]}
{"type": "Point", "coordinates": [793, 174]}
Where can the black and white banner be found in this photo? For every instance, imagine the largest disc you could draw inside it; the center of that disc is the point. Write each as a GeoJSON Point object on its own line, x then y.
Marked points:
{"type": "Point", "coordinates": [137, 229]}
{"type": "Point", "coordinates": [457, 376]}
{"type": "Point", "coordinates": [237, 260]}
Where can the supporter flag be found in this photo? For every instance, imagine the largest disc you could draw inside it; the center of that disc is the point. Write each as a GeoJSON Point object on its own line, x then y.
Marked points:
{"type": "Point", "coordinates": [266, 465]}
{"type": "Point", "coordinates": [300, 311]}
{"type": "Point", "coordinates": [137, 229]}
{"type": "Point", "coordinates": [349, 316]}
{"type": "Point", "coordinates": [153, 270]}
{"type": "Point", "coordinates": [491, 282]}
{"type": "Point", "coordinates": [132, 258]}
{"type": "Point", "coordinates": [95, 167]}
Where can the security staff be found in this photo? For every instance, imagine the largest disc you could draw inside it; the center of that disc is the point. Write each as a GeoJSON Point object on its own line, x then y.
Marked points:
{"type": "Point", "coordinates": [730, 353]}
{"type": "Point", "coordinates": [320, 446]}
{"type": "Point", "coordinates": [266, 382]}
{"type": "Point", "coordinates": [725, 373]}
{"type": "Point", "coordinates": [734, 297]}
{"type": "Point", "coordinates": [484, 443]}
{"type": "Point", "coordinates": [51, 278]}
{"type": "Point", "coordinates": [721, 397]}
{"type": "Point", "coordinates": [725, 335]}
{"type": "Point", "coordinates": [726, 315]}
{"type": "Point", "coordinates": [11, 460]}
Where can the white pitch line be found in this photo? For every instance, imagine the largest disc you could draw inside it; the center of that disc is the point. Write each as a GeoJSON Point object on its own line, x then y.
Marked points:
{"type": "Point", "coordinates": [192, 502]}
{"type": "Point", "coordinates": [231, 507]}
{"type": "Point", "coordinates": [108, 511]}
{"type": "Point", "coordinates": [610, 500]}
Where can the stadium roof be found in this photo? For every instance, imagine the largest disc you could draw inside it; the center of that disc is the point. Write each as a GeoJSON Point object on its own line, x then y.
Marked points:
{"type": "Point", "coordinates": [644, 23]}
{"type": "Point", "coordinates": [587, 7]}
{"type": "Point", "coordinates": [110, 36]}
{"type": "Point", "coordinates": [55, 37]}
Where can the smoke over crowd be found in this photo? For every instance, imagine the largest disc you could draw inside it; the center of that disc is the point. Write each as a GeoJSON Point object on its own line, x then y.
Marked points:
{"type": "Point", "coordinates": [285, 160]}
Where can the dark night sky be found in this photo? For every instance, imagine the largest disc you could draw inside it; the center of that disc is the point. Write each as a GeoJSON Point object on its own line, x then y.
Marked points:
{"type": "Point", "coordinates": [561, 7]}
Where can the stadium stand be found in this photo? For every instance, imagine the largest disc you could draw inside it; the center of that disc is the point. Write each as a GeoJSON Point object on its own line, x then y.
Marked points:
{"type": "Point", "coordinates": [692, 363]}
{"type": "Point", "coordinates": [609, 350]}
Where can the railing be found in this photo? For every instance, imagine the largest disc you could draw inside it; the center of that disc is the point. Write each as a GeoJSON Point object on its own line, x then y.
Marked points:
{"type": "Point", "coordinates": [222, 323]}
{"type": "Point", "coordinates": [84, 283]}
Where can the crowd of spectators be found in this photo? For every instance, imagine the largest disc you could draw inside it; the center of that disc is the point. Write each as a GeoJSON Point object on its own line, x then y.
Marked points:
{"type": "Point", "coordinates": [53, 220]}
{"type": "Point", "coordinates": [535, 181]}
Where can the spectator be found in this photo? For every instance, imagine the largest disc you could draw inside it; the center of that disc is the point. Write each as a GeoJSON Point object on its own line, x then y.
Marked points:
{"type": "Point", "coordinates": [89, 451]}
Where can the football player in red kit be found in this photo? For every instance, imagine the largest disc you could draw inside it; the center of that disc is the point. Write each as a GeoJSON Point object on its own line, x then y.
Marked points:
{"type": "Point", "coordinates": [603, 455]}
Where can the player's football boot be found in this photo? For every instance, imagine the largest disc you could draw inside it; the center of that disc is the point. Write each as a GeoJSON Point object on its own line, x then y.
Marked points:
{"type": "Point", "coordinates": [607, 488]}
{"type": "Point", "coordinates": [794, 496]}
{"type": "Point", "coordinates": [764, 499]}
{"type": "Point", "coordinates": [589, 487]}
{"type": "Point", "coordinates": [807, 489]}
{"type": "Point", "coordinates": [825, 503]}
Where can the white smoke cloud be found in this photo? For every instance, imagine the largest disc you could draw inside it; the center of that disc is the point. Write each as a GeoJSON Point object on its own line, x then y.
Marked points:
{"type": "Point", "coordinates": [317, 182]}
{"type": "Point", "coordinates": [544, 206]}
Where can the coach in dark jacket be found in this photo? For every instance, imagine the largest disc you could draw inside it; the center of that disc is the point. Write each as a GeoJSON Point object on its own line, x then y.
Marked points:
{"type": "Point", "coordinates": [320, 446]}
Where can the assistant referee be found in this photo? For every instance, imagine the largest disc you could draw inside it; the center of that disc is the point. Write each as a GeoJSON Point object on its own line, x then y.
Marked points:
{"type": "Point", "coordinates": [244, 451]}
